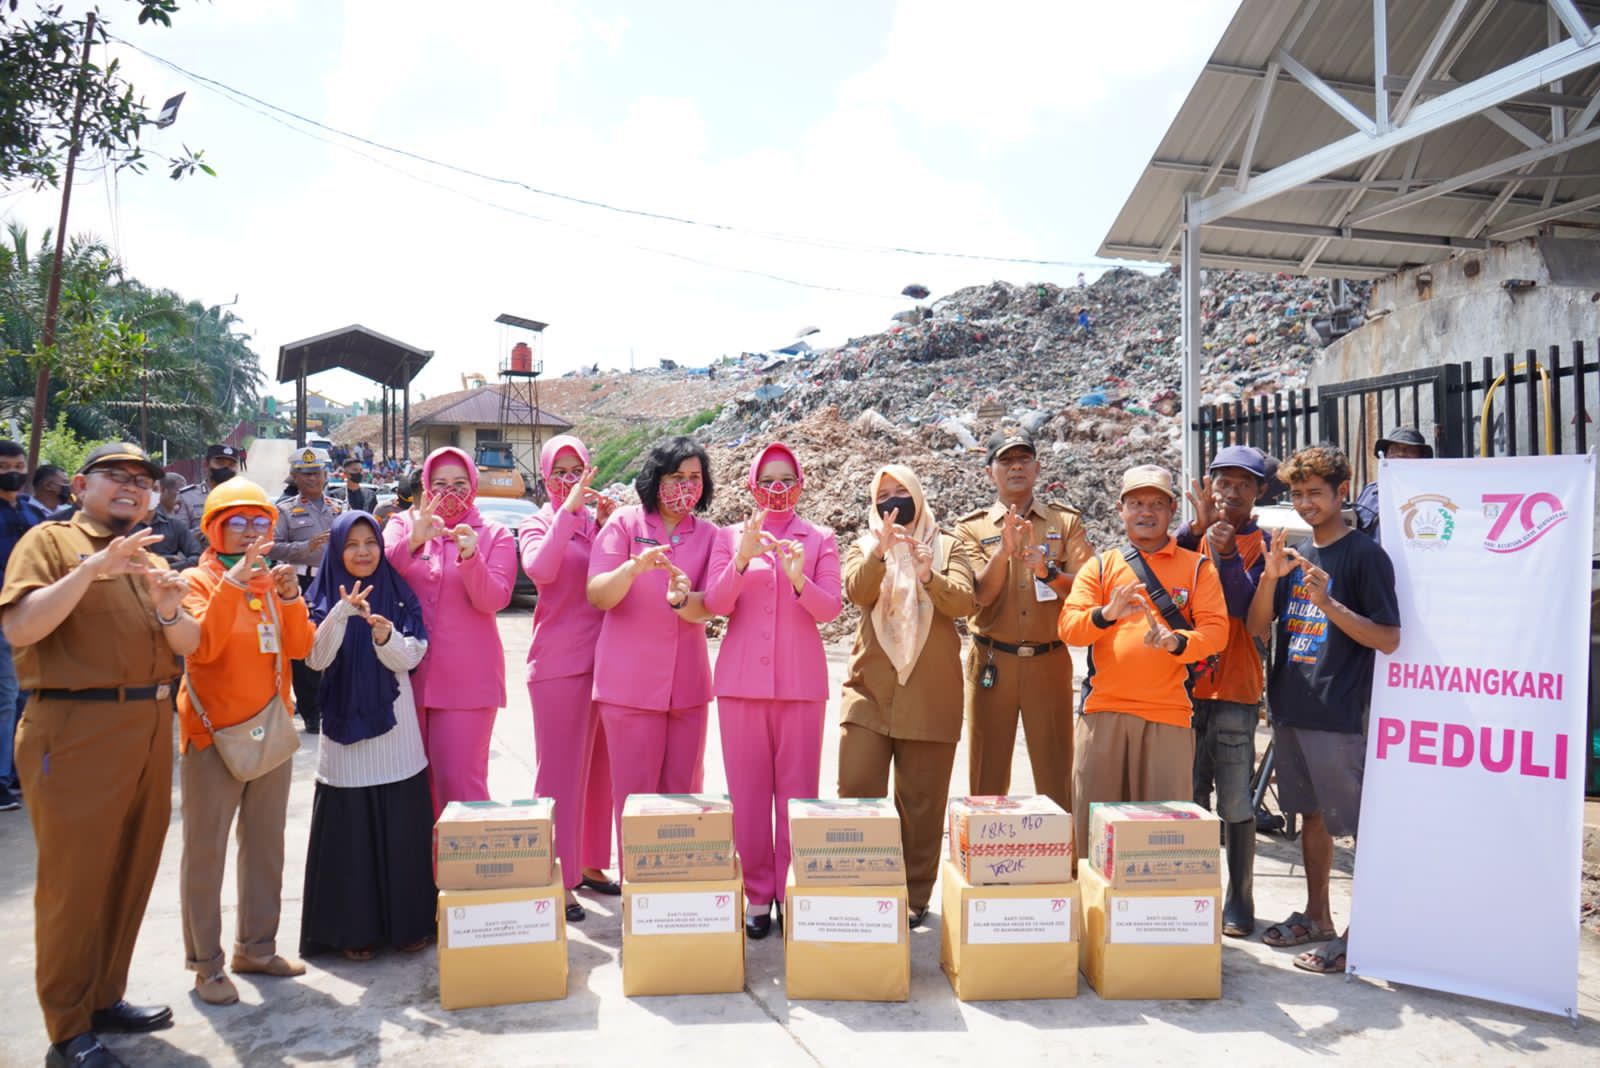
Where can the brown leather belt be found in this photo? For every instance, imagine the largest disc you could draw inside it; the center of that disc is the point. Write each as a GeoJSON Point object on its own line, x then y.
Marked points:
{"type": "Point", "coordinates": [1025, 649]}
{"type": "Point", "coordinates": [119, 694]}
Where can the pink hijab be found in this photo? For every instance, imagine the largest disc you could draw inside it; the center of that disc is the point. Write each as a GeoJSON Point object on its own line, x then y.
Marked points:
{"type": "Point", "coordinates": [775, 521]}
{"type": "Point", "coordinates": [451, 454]}
{"type": "Point", "coordinates": [552, 448]}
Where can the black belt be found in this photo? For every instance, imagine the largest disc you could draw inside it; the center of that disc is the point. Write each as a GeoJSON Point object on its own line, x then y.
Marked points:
{"type": "Point", "coordinates": [1024, 649]}
{"type": "Point", "coordinates": [119, 693]}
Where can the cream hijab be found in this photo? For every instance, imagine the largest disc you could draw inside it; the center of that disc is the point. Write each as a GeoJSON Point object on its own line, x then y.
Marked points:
{"type": "Point", "coordinates": [903, 614]}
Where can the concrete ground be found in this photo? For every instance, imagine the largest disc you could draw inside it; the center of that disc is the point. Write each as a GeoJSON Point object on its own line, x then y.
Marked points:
{"type": "Point", "coordinates": [387, 1010]}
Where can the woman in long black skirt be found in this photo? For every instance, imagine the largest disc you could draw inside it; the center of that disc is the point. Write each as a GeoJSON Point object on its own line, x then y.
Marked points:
{"type": "Point", "coordinates": [369, 869]}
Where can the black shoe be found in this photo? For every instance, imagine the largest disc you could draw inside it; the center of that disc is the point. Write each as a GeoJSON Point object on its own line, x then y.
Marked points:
{"type": "Point", "coordinates": [131, 1019]}
{"type": "Point", "coordinates": [758, 926]}
{"type": "Point", "coordinates": [313, 728]}
{"type": "Point", "coordinates": [576, 913]}
{"type": "Point", "coordinates": [916, 917]}
{"type": "Point", "coordinates": [602, 886]}
{"type": "Point", "coordinates": [84, 1051]}
{"type": "Point", "coordinates": [777, 914]}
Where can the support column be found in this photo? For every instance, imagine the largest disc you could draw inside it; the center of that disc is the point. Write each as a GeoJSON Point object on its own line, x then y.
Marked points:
{"type": "Point", "coordinates": [1190, 383]}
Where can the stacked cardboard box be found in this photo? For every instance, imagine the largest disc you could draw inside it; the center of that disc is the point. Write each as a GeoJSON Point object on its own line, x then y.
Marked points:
{"type": "Point", "coordinates": [845, 932]}
{"type": "Point", "coordinates": [1152, 901]}
{"type": "Point", "coordinates": [502, 924]}
{"type": "Point", "coordinates": [1010, 923]}
{"type": "Point", "coordinates": [682, 896]}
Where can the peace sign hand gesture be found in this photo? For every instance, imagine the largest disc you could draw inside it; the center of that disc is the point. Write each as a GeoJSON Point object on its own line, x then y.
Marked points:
{"type": "Point", "coordinates": [357, 599]}
{"type": "Point", "coordinates": [581, 494]}
{"type": "Point", "coordinates": [249, 563]}
{"type": "Point", "coordinates": [425, 522]}
{"type": "Point", "coordinates": [752, 540]}
{"type": "Point", "coordinates": [1159, 635]}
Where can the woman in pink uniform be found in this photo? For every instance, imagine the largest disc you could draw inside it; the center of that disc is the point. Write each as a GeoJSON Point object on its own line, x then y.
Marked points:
{"type": "Point", "coordinates": [776, 578]}
{"type": "Point", "coordinates": [462, 568]}
{"type": "Point", "coordinates": [570, 748]}
{"type": "Point", "coordinates": [652, 676]}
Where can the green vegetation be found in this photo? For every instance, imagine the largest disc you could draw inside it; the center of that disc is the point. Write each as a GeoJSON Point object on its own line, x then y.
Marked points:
{"type": "Point", "coordinates": [615, 451]}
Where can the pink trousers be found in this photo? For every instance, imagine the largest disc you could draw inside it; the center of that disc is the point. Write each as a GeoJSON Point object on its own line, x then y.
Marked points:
{"type": "Point", "coordinates": [653, 752]}
{"type": "Point", "coordinates": [571, 767]}
{"type": "Point", "coordinates": [457, 743]}
{"type": "Point", "coordinates": [772, 751]}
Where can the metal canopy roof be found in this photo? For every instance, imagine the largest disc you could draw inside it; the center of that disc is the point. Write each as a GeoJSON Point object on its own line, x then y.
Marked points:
{"type": "Point", "coordinates": [354, 348]}
{"type": "Point", "coordinates": [1484, 129]}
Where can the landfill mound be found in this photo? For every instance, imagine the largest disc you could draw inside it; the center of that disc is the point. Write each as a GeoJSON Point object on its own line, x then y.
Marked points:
{"type": "Point", "coordinates": [1099, 396]}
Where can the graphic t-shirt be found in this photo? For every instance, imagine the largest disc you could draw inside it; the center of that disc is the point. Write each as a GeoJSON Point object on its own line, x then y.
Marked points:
{"type": "Point", "coordinates": [1321, 678]}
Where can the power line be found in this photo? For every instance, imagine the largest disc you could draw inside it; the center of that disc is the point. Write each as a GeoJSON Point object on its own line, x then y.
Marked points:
{"type": "Point", "coordinates": [773, 235]}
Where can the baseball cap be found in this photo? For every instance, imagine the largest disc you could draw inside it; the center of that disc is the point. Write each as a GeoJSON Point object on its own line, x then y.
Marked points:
{"type": "Point", "coordinates": [307, 460]}
{"type": "Point", "coordinates": [1148, 476]}
{"type": "Point", "coordinates": [1001, 440]}
{"type": "Point", "coordinates": [1247, 457]}
{"type": "Point", "coordinates": [117, 452]}
{"type": "Point", "coordinates": [226, 452]}
{"type": "Point", "coordinates": [1402, 435]}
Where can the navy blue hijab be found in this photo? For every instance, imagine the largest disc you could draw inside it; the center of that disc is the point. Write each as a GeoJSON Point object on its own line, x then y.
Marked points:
{"type": "Point", "coordinates": [358, 693]}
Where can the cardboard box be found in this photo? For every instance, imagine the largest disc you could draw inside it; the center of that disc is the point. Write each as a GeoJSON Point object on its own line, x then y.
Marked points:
{"type": "Point", "coordinates": [502, 947]}
{"type": "Point", "coordinates": [852, 842]}
{"type": "Point", "coordinates": [1175, 844]}
{"type": "Point", "coordinates": [846, 943]}
{"type": "Point", "coordinates": [995, 840]}
{"type": "Point", "coordinates": [683, 938]}
{"type": "Point", "coordinates": [1009, 942]}
{"type": "Point", "coordinates": [486, 845]}
{"type": "Point", "coordinates": [1151, 944]}
{"type": "Point", "coordinates": [677, 838]}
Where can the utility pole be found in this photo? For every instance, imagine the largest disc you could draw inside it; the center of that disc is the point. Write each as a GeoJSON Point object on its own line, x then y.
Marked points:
{"type": "Point", "coordinates": [52, 300]}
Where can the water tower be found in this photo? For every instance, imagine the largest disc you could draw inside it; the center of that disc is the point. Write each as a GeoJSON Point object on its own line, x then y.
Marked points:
{"type": "Point", "coordinates": [519, 369]}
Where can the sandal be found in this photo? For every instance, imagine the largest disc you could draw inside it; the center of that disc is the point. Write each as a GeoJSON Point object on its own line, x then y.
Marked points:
{"type": "Point", "coordinates": [365, 953]}
{"type": "Point", "coordinates": [1297, 930]}
{"type": "Point", "coordinates": [415, 947]}
{"type": "Point", "coordinates": [1326, 959]}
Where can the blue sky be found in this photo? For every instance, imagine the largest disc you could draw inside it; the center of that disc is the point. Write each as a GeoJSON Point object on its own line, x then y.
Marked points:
{"type": "Point", "coordinates": [1010, 128]}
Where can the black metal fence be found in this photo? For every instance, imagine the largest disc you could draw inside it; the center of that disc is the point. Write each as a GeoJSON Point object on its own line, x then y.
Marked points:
{"type": "Point", "coordinates": [1524, 405]}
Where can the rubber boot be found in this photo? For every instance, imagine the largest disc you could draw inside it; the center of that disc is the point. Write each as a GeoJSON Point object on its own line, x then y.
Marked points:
{"type": "Point", "coordinates": [1239, 910]}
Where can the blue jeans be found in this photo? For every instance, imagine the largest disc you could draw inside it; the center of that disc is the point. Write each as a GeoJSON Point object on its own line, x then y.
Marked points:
{"type": "Point", "coordinates": [10, 706]}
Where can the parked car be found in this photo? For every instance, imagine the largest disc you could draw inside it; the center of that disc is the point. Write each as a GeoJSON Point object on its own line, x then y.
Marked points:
{"type": "Point", "coordinates": [510, 512]}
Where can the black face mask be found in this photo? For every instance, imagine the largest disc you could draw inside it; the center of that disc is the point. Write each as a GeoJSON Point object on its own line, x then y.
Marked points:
{"type": "Point", "coordinates": [353, 478]}
{"type": "Point", "coordinates": [219, 475]}
{"type": "Point", "coordinates": [904, 509]}
{"type": "Point", "coordinates": [12, 481]}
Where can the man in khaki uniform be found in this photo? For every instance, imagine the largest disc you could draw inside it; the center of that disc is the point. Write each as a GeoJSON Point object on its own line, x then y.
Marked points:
{"type": "Point", "coordinates": [1026, 552]}
{"type": "Point", "coordinates": [98, 625]}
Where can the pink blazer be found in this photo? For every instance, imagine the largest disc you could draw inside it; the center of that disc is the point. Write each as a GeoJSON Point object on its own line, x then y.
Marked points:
{"type": "Point", "coordinates": [556, 546]}
{"type": "Point", "coordinates": [772, 650]}
{"type": "Point", "coordinates": [646, 656]}
{"type": "Point", "coordinates": [465, 664]}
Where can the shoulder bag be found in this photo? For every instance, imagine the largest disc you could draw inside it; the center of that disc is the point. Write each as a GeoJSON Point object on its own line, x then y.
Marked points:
{"type": "Point", "coordinates": [264, 741]}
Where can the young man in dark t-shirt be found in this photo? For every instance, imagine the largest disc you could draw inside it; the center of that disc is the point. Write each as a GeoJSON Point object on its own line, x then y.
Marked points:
{"type": "Point", "coordinates": [1329, 605]}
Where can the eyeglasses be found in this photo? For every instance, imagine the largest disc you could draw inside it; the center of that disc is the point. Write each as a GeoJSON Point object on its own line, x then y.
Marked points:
{"type": "Point", "coordinates": [1013, 461]}
{"type": "Point", "coordinates": [238, 524]}
{"type": "Point", "coordinates": [125, 478]}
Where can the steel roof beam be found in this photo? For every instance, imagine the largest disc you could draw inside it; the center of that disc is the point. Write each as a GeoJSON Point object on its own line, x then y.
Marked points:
{"type": "Point", "coordinates": [1150, 254]}
{"type": "Point", "coordinates": [1533, 100]}
{"type": "Point", "coordinates": [1572, 207]}
{"type": "Point", "coordinates": [1325, 93]}
{"type": "Point", "coordinates": [1575, 23]}
{"type": "Point", "coordinates": [1472, 98]}
{"type": "Point", "coordinates": [1347, 233]}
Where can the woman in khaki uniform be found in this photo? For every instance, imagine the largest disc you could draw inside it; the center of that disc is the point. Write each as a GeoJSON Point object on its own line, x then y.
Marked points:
{"type": "Point", "coordinates": [902, 700]}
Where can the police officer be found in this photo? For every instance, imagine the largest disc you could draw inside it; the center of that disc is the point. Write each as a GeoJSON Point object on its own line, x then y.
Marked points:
{"type": "Point", "coordinates": [98, 625]}
{"type": "Point", "coordinates": [1027, 552]}
{"type": "Point", "coordinates": [222, 463]}
{"type": "Point", "coordinates": [304, 519]}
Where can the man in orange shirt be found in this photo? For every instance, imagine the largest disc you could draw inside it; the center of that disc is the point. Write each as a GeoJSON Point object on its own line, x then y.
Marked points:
{"type": "Point", "coordinates": [1134, 741]}
{"type": "Point", "coordinates": [1228, 698]}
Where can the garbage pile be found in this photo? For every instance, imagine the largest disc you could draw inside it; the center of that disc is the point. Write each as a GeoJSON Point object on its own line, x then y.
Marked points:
{"type": "Point", "coordinates": [1091, 371]}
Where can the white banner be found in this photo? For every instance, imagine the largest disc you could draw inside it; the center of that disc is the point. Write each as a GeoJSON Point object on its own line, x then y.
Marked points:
{"type": "Point", "coordinates": [1469, 856]}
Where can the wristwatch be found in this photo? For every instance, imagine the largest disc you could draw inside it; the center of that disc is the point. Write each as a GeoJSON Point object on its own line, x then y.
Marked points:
{"type": "Point", "coordinates": [1051, 571]}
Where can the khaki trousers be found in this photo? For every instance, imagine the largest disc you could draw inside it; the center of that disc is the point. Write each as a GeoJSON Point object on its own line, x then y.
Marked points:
{"type": "Point", "coordinates": [1040, 689]}
{"type": "Point", "coordinates": [1123, 757]}
{"type": "Point", "coordinates": [921, 789]}
{"type": "Point", "coordinates": [211, 797]}
{"type": "Point", "coordinates": [98, 779]}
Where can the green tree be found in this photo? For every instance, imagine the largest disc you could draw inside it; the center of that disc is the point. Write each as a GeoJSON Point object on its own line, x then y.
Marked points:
{"type": "Point", "coordinates": [44, 79]}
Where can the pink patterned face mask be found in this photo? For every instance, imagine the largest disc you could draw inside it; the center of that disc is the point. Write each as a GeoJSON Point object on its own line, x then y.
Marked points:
{"type": "Point", "coordinates": [680, 497]}
{"type": "Point", "coordinates": [560, 487]}
{"type": "Point", "coordinates": [453, 502]}
{"type": "Point", "coordinates": [777, 495]}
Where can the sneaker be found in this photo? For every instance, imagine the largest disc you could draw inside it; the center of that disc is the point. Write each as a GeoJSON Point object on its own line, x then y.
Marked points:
{"type": "Point", "coordinates": [9, 802]}
{"type": "Point", "coordinates": [216, 989]}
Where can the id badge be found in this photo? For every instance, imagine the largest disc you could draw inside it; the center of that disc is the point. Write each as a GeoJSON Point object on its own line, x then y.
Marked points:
{"type": "Point", "coordinates": [1042, 590]}
{"type": "Point", "coordinates": [267, 637]}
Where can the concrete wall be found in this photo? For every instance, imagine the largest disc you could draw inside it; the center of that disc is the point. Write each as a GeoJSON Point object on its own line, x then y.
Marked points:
{"type": "Point", "coordinates": [1458, 310]}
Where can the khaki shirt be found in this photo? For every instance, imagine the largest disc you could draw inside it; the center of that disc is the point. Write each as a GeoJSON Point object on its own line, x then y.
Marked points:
{"type": "Point", "coordinates": [1019, 614]}
{"type": "Point", "coordinates": [929, 706]}
{"type": "Point", "coordinates": [111, 638]}
{"type": "Point", "coordinates": [300, 520]}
